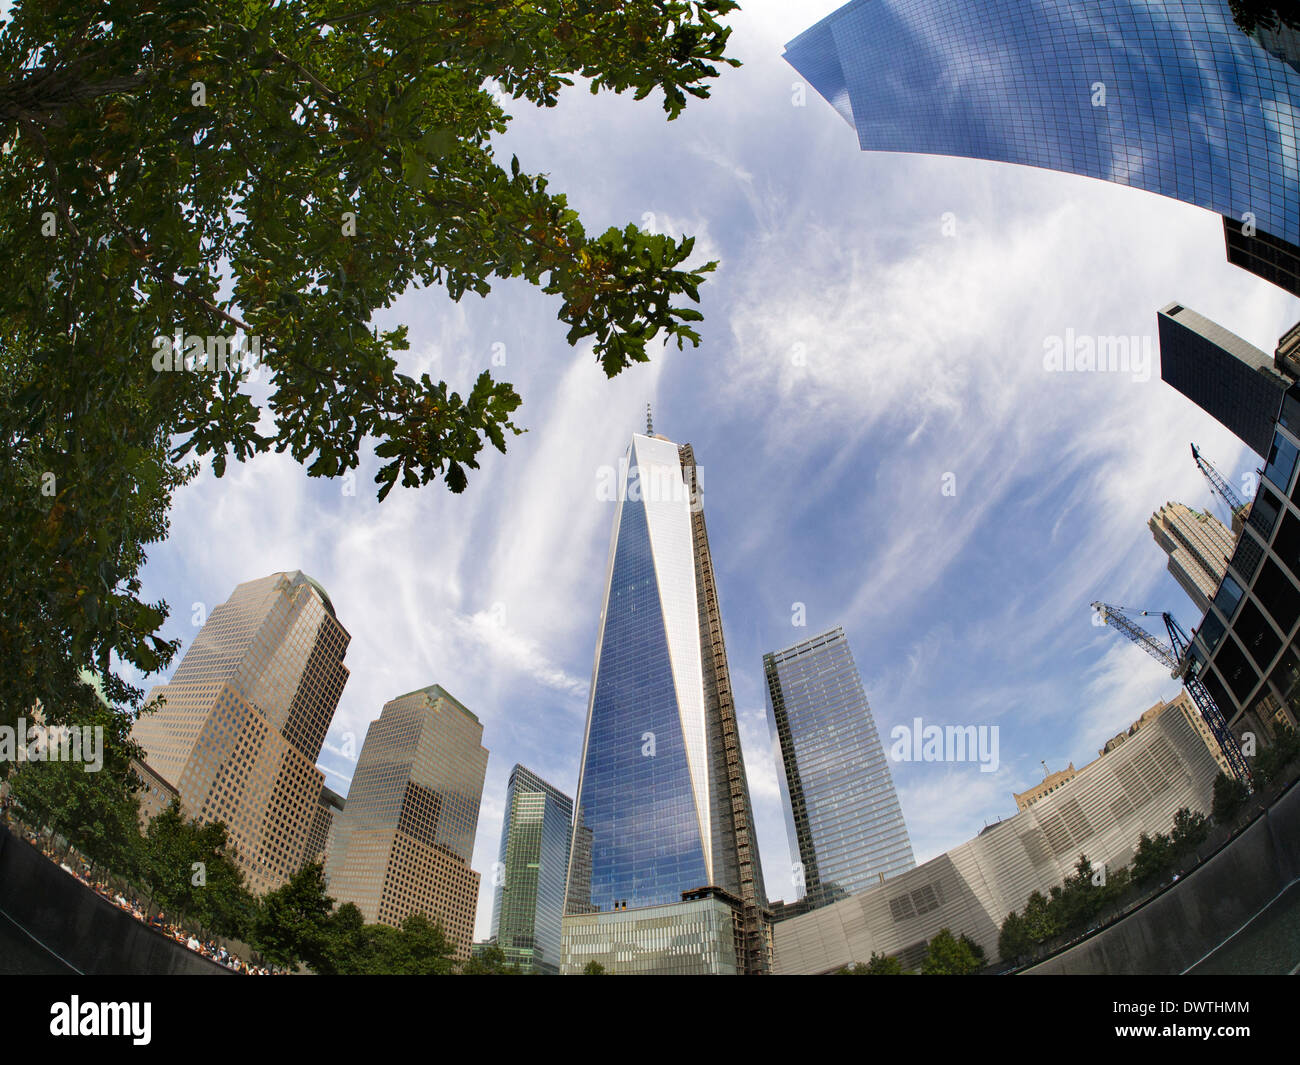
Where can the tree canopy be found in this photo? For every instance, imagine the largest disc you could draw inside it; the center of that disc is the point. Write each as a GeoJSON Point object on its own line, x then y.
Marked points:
{"type": "Point", "coordinates": [193, 187]}
{"type": "Point", "coordinates": [949, 955]}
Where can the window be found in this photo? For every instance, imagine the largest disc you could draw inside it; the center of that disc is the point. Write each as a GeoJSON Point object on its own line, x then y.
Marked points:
{"type": "Point", "coordinates": [1239, 674]}
{"type": "Point", "coordinates": [1290, 416]}
{"type": "Point", "coordinates": [1281, 461]}
{"type": "Point", "coordinates": [1245, 560]}
{"type": "Point", "coordinates": [1264, 511]}
{"type": "Point", "coordinates": [1211, 632]}
{"type": "Point", "coordinates": [1229, 596]}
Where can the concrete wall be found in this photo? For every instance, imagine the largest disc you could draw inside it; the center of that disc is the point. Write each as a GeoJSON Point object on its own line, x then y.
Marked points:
{"type": "Point", "coordinates": [1179, 927]}
{"type": "Point", "coordinates": [86, 931]}
{"type": "Point", "coordinates": [1101, 812]}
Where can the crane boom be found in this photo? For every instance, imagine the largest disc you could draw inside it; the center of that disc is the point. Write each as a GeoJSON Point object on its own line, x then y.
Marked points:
{"type": "Point", "coordinates": [1116, 617]}
{"type": "Point", "coordinates": [1218, 482]}
{"type": "Point", "coordinates": [1174, 655]}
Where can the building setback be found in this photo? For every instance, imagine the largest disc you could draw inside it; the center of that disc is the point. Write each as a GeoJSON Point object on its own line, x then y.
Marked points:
{"type": "Point", "coordinates": [1171, 97]}
{"type": "Point", "coordinates": [663, 806]}
{"type": "Point", "coordinates": [528, 905]}
{"type": "Point", "coordinates": [1198, 545]}
{"type": "Point", "coordinates": [246, 713]}
{"type": "Point", "coordinates": [843, 820]}
{"type": "Point", "coordinates": [1101, 812]}
{"type": "Point", "coordinates": [405, 837]}
{"type": "Point", "coordinates": [328, 807]}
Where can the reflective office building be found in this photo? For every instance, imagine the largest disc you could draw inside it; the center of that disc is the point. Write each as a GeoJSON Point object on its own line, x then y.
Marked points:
{"type": "Point", "coordinates": [1230, 379]}
{"type": "Point", "coordinates": [1247, 648]}
{"type": "Point", "coordinates": [843, 819]}
{"type": "Point", "coordinates": [246, 713]}
{"type": "Point", "coordinates": [663, 805]}
{"type": "Point", "coordinates": [528, 904]}
{"type": "Point", "coordinates": [403, 842]}
{"type": "Point", "coordinates": [1170, 97]}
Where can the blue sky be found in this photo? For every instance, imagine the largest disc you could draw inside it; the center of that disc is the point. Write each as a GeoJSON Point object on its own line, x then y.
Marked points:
{"type": "Point", "coordinates": [853, 355]}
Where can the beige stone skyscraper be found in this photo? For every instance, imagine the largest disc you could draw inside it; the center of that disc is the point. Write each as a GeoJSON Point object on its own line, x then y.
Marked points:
{"type": "Point", "coordinates": [246, 713]}
{"type": "Point", "coordinates": [405, 837]}
{"type": "Point", "coordinates": [1198, 545]}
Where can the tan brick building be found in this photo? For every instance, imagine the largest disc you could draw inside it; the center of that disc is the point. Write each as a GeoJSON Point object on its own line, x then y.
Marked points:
{"type": "Point", "coordinates": [245, 715]}
{"type": "Point", "coordinates": [405, 837]}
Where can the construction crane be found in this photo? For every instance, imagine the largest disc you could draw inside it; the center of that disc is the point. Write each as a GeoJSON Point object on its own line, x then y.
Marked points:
{"type": "Point", "coordinates": [1174, 657]}
{"type": "Point", "coordinates": [1219, 483]}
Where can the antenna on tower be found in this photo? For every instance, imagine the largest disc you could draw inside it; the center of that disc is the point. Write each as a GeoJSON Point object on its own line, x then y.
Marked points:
{"type": "Point", "coordinates": [649, 422]}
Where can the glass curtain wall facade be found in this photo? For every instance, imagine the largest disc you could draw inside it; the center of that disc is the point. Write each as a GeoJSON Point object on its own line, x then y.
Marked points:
{"type": "Point", "coordinates": [1169, 97]}
{"type": "Point", "coordinates": [843, 818]}
{"type": "Point", "coordinates": [1246, 650]}
{"type": "Point", "coordinates": [663, 804]}
{"type": "Point", "coordinates": [528, 905]}
{"type": "Point", "coordinates": [1230, 379]}
{"type": "Point", "coordinates": [246, 713]}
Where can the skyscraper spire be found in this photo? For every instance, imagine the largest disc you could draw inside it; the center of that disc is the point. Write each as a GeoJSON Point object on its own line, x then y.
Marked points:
{"type": "Point", "coordinates": [649, 422]}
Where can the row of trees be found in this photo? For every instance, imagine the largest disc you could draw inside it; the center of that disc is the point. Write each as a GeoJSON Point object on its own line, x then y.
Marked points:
{"type": "Point", "coordinates": [181, 868]}
{"type": "Point", "coordinates": [298, 922]}
{"type": "Point", "coordinates": [1076, 905]}
{"type": "Point", "coordinates": [945, 955]}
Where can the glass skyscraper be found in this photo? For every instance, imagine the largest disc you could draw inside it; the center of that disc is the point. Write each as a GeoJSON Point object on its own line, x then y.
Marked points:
{"type": "Point", "coordinates": [528, 905]}
{"type": "Point", "coordinates": [663, 805]}
{"type": "Point", "coordinates": [1168, 97]}
{"type": "Point", "coordinates": [844, 822]}
{"type": "Point", "coordinates": [1230, 379]}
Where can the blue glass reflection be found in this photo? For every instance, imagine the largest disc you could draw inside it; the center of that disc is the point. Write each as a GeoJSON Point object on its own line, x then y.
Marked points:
{"type": "Point", "coordinates": [1168, 97]}
{"type": "Point", "coordinates": [636, 798]}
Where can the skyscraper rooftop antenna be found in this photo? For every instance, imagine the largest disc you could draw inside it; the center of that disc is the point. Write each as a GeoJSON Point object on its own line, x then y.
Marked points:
{"type": "Point", "coordinates": [649, 422]}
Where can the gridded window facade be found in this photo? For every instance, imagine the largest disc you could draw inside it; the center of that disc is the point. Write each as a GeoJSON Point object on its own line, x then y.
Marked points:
{"type": "Point", "coordinates": [1168, 97]}
{"type": "Point", "coordinates": [698, 937]}
{"type": "Point", "coordinates": [844, 822]}
{"type": "Point", "coordinates": [1247, 648]}
{"type": "Point", "coordinates": [1198, 546]}
{"type": "Point", "coordinates": [528, 903]}
{"type": "Point", "coordinates": [403, 842]}
{"type": "Point", "coordinates": [244, 716]}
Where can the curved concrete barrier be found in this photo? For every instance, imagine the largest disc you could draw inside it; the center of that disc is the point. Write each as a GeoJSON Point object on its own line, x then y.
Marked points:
{"type": "Point", "coordinates": [1180, 927]}
{"type": "Point", "coordinates": [87, 933]}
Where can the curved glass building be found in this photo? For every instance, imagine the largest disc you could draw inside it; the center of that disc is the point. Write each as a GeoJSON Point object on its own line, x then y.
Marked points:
{"type": "Point", "coordinates": [1168, 97]}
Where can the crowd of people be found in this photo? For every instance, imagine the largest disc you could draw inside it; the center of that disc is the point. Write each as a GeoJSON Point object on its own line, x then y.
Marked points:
{"type": "Point", "coordinates": [214, 951]}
